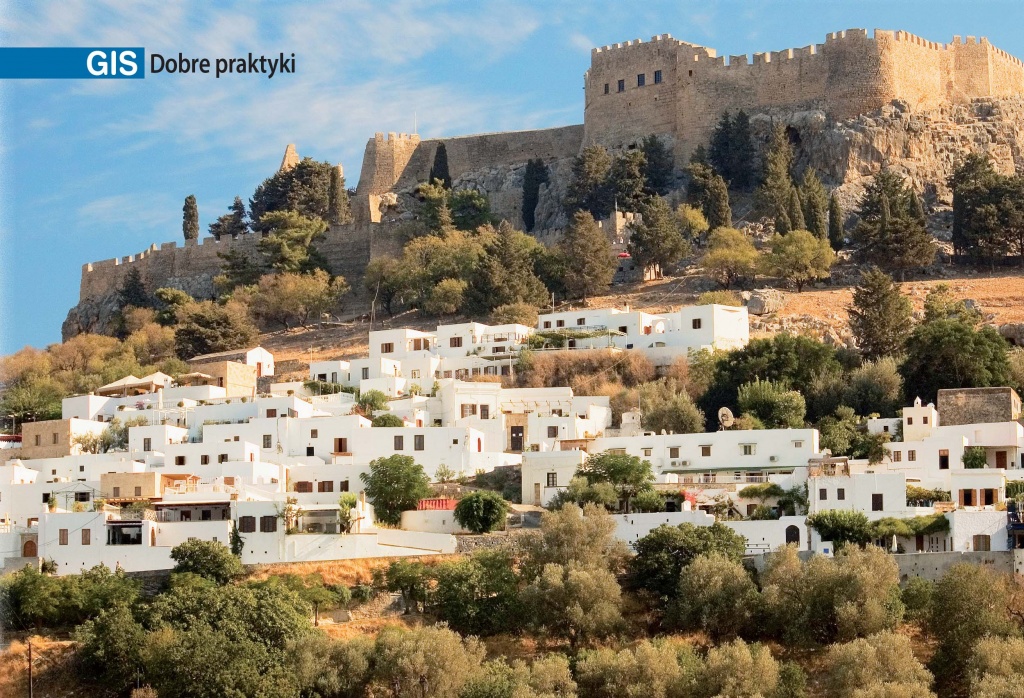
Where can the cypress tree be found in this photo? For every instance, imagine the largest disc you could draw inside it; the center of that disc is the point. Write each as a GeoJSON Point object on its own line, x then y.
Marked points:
{"type": "Point", "coordinates": [815, 201]}
{"type": "Point", "coordinates": [720, 153]}
{"type": "Point", "coordinates": [190, 218]}
{"type": "Point", "coordinates": [783, 225]}
{"type": "Point", "coordinates": [836, 233]}
{"type": "Point", "coordinates": [717, 209]}
{"type": "Point", "coordinates": [916, 209]}
{"type": "Point", "coordinates": [338, 204]}
{"type": "Point", "coordinates": [795, 210]}
{"type": "Point", "coordinates": [439, 170]}
{"type": "Point", "coordinates": [741, 153]}
{"type": "Point", "coordinates": [773, 194]}
{"type": "Point", "coordinates": [535, 175]}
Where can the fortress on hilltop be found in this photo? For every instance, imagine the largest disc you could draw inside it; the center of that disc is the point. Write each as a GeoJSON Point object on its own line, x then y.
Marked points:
{"type": "Point", "coordinates": [853, 104]}
{"type": "Point", "coordinates": [676, 89]}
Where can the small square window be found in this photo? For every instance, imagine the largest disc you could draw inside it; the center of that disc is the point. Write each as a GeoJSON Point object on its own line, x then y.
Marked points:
{"type": "Point", "coordinates": [897, 456]}
{"type": "Point", "coordinates": [387, 347]}
{"type": "Point", "coordinates": [455, 342]}
{"type": "Point", "coordinates": [560, 323]}
{"type": "Point", "coordinates": [647, 452]}
{"type": "Point", "coordinates": [268, 441]}
{"type": "Point", "coordinates": [924, 420]}
{"type": "Point", "coordinates": [418, 442]}
{"type": "Point", "coordinates": [547, 324]}
{"type": "Point", "coordinates": [798, 444]}
{"type": "Point", "coordinates": [673, 452]}
{"type": "Point", "coordinates": [552, 432]}
{"type": "Point", "coordinates": [399, 442]}
{"type": "Point", "coordinates": [86, 536]}
{"type": "Point", "coordinates": [581, 321]}
{"type": "Point", "coordinates": [822, 494]}
{"type": "Point", "coordinates": [621, 85]}
{"type": "Point", "coordinates": [696, 323]}
{"type": "Point", "coordinates": [705, 451]}
{"type": "Point", "coordinates": [204, 459]}
{"type": "Point", "coordinates": [641, 79]}
{"type": "Point", "coordinates": [62, 536]}
{"type": "Point", "coordinates": [910, 420]}
{"type": "Point", "coordinates": [877, 503]}
{"type": "Point", "coordinates": [271, 413]}
{"type": "Point", "coordinates": [552, 479]}
{"type": "Point", "coordinates": [748, 449]}
{"type": "Point", "coordinates": [657, 77]}
{"type": "Point", "coordinates": [179, 460]}
{"type": "Point", "coordinates": [138, 491]}
{"type": "Point", "coordinates": [912, 455]}
{"type": "Point", "coordinates": [366, 373]}
{"type": "Point", "coordinates": [314, 433]}
{"type": "Point", "coordinates": [81, 468]}
{"type": "Point", "coordinates": [841, 494]}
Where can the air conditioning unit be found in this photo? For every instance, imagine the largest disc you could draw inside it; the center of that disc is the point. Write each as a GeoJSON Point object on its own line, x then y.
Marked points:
{"type": "Point", "coordinates": [684, 463]}
{"type": "Point", "coordinates": [673, 463]}
{"type": "Point", "coordinates": [774, 459]}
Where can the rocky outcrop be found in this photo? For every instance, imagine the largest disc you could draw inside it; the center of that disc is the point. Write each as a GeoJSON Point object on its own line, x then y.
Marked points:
{"type": "Point", "coordinates": [765, 300]}
{"type": "Point", "coordinates": [925, 146]}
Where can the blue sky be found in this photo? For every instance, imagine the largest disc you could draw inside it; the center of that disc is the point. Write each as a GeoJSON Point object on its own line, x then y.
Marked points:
{"type": "Point", "coordinates": [91, 170]}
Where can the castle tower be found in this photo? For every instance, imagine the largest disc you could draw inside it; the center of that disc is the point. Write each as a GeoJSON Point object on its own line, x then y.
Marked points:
{"type": "Point", "coordinates": [290, 159]}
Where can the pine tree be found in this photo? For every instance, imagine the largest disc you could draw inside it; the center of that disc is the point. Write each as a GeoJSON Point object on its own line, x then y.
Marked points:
{"type": "Point", "coordinates": [239, 226]}
{"type": "Point", "coordinates": [506, 276]}
{"type": "Point", "coordinates": [836, 229]}
{"type": "Point", "coordinates": [132, 291]}
{"type": "Point", "coordinates": [890, 233]}
{"type": "Point", "coordinates": [338, 203]}
{"type": "Point", "coordinates": [717, 209]}
{"type": "Point", "coordinates": [587, 253]}
{"type": "Point", "coordinates": [815, 201]}
{"type": "Point", "coordinates": [627, 180]}
{"type": "Point", "coordinates": [880, 316]}
{"type": "Point", "coordinates": [657, 241]}
{"type": "Point", "coordinates": [588, 188]}
{"type": "Point", "coordinates": [699, 156]}
{"type": "Point", "coordinates": [795, 210]}
{"type": "Point", "coordinates": [659, 169]}
{"type": "Point", "coordinates": [190, 218]}
{"type": "Point", "coordinates": [773, 194]}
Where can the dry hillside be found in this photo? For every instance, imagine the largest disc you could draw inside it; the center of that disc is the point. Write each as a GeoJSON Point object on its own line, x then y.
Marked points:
{"type": "Point", "coordinates": [1000, 295]}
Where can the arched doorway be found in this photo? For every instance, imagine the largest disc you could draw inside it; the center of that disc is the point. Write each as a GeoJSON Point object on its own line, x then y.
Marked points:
{"type": "Point", "coordinates": [30, 549]}
{"type": "Point", "coordinates": [792, 535]}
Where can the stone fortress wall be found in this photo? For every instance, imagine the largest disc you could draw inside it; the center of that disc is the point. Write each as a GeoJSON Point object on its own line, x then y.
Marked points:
{"type": "Point", "coordinates": [838, 95]}
{"type": "Point", "coordinates": [848, 75]}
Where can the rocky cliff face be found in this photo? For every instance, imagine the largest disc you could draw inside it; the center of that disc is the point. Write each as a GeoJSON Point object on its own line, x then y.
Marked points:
{"type": "Point", "coordinates": [924, 146]}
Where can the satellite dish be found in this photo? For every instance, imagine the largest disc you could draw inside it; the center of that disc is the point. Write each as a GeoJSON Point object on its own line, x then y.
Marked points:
{"type": "Point", "coordinates": [725, 418]}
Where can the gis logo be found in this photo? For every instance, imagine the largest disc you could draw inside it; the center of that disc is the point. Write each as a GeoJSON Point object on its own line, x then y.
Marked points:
{"type": "Point", "coordinates": [113, 63]}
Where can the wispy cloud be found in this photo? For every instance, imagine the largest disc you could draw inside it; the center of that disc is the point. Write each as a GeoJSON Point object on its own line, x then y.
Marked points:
{"type": "Point", "coordinates": [130, 210]}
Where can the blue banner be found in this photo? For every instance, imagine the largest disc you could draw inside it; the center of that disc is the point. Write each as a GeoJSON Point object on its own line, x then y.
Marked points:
{"type": "Point", "coordinates": [73, 63]}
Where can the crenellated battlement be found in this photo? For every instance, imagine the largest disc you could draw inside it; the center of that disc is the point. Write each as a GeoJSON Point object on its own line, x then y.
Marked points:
{"type": "Point", "coordinates": [679, 90]}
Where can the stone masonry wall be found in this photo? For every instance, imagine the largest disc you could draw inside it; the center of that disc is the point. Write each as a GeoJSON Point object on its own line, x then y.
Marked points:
{"type": "Point", "coordinates": [850, 74]}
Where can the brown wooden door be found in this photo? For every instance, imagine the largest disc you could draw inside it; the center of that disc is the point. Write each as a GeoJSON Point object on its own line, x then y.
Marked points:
{"type": "Point", "coordinates": [30, 549]}
{"type": "Point", "coordinates": [1001, 459]}
{"type": "Point", "coordinates": [517, 439]}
